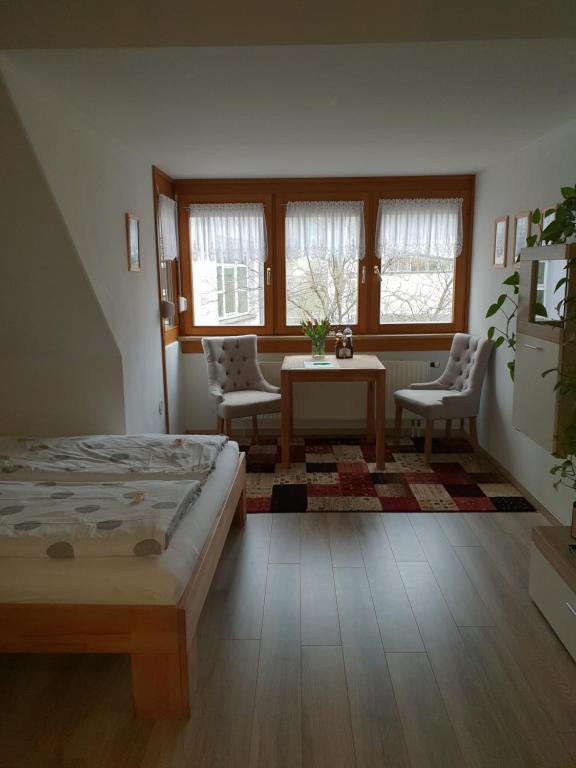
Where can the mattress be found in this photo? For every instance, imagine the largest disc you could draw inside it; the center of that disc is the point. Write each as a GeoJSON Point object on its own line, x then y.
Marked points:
{"type": "Point", "coordinates": [63, 520]}
{"type": "Point", "coordinates": [158, 580]}
{"type": "Point", "coordinates": [96, 458]}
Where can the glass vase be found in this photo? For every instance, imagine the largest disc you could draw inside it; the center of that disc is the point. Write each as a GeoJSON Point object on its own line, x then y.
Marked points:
{"type": "Point", "coordinates": [319, 348]}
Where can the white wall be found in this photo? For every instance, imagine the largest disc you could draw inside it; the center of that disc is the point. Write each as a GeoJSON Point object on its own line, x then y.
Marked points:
{"type": "Point", "coordinates": [60, 367]}
{"type": "Point", "coordinates": [529, 179]}
{"type": "Point", "coordinates": [315, 405]}
{"type": "Point", "coordinates": [95, 180]}
{"type": "Point", "coordinates": [176, 391]}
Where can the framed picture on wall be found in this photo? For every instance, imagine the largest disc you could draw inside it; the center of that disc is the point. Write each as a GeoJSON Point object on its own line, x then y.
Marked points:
{"type": "Point", "coordinates": [522, 225]}
{"type": "Point", "coordinates": [133, 242]}
{"type": "Point", "coordinates": [500, 241]}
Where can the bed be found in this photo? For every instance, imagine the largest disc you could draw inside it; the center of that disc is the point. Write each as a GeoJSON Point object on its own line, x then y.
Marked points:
{"type": "Point", "coordinates": [147, 607]}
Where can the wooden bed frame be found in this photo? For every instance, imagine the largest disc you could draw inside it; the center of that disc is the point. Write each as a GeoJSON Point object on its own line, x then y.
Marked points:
{"type": "Point", "coordinates": [161, 639]}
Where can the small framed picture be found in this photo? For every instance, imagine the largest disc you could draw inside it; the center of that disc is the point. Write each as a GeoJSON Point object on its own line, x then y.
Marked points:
{"type": "Point", "coordinates": [500, 241]}
{"type": "Point", "coordinates": [133, 242]}
{"type": "Point", "coordinates": [522, 229]}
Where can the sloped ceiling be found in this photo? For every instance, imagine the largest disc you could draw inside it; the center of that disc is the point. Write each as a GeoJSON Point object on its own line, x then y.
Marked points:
{"type": "Point", "coordinates": [412, 108]}
{"type": "Point", "coordinates": [143, 23]}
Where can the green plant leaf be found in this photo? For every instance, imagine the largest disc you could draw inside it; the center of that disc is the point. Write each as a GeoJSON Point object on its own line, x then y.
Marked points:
{"type": "Point", "coordinates": [514, 279]}
{"type": "Point", "coordinates": [560, 283]}
{"type": "Point", "coordinates": [490, 332]}
{"type": "Point", "coordinates": [540, 309]}
{"type": "Point", "coordinates": [492, 309]}
{"type": "Point", "coordinates": [531, 240]}
{"type": "Point", "coordinates": [499, 341]}
{"type": "Point", "coordinates": [568, 191]}
{"type": "Point", "coordinates": [536, 216]}
{"type": "Point", "coordinates": [511, 368]}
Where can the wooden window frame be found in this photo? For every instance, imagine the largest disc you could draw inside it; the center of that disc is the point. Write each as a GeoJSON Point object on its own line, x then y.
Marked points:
{"type": "Point", "coordinates": [164, 185]}
{"type": "Point", "coordinates": [276, 335]}
{"type": "Point", "coordinates": [281, 199]}
{"type": "Point", "coordinates": [461, 267]}
{"type": "Point", "coordinates": [187, 326]}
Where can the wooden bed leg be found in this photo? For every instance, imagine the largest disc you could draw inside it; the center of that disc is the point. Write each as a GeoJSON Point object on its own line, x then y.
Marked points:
{"type": "Point", "coordinates": [161, 684]}
{"type": "Point", "coordinates": [240, 514]}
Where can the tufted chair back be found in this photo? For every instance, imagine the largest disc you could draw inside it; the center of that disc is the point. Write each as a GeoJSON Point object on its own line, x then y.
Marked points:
{"type": "Point", "coordinates": [467, 363]}
{"type": "Point", "coordinates": [233, 364]}
{"type": "Point", "coordinates": [464, 373]}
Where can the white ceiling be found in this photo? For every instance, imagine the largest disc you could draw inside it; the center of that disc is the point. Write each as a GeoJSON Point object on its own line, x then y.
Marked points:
{"type": "Point", "coordinates": [143, 23]}
{"type": "Point", "coordinates": [317, 110]}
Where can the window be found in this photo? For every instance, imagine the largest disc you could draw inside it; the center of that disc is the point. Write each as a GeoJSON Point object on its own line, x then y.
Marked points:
{"type": "Point", "coordinates": [417, 244]}
{"type": "Point", "coordinates": [323, 243]}
{"type": "Point", "coordinates": [232, 287]}
{"type": "Point", "coordinates": [228, 251]}
{"type": "Point", "coordinates": [387, 256]}
{"type": "Point", "coordinates": [168, 254]}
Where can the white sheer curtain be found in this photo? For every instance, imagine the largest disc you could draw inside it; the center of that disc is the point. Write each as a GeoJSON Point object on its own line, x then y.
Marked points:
{"type": "Point", "coordinates": [233, 233]}
{"type": "Point", "coordinates": [167, 222]}
{"type": "Point", "coordinates": [419, 228]}
{"type": "Point", "coordinates": [323, 229]}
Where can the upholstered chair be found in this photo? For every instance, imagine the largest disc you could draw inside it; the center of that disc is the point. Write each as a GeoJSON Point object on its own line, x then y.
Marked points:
{"type": "Point", "coordinates": [236, 381]}
{"type": "Point", "coordinates": [455, 395]}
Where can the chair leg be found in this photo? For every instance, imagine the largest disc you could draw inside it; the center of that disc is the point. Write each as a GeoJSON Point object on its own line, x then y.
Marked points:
{"type": "Point", "coordinates": [398, 425]}
{"type": "Point", "coordinates": [254, 427]}
{"type": "Point", "coordinates": [428, 441]}
{"type": "Point", "coordinates": [219, 425]}
{"type": "Point", "coordinates": [473, 433]}
{"type": "Point", "coordinates": [448, 428]}
{"type": "Point", "coordinates": [227, 427]}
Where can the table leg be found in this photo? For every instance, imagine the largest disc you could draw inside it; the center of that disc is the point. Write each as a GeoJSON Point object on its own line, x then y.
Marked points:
{"type": "Point", "coordinates": [370, 411]}
{"type": "Point", "coordinates": [380, 420]}
{"type": "Point", "coordinates": [286, 389]}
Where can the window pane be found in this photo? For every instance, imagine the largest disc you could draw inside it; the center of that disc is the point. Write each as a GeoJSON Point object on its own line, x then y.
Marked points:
{"type": "Point", "coordinates": [228, 249]}
{"type": "Point", "coordinates": [324, 242]}
{"type": "Point", "coordinates": [242, 301]}
{"type": "Point", "coordinates": [417, 242]}
{"type": "Point", "coordinates": [421, 291]}
{"type": "Point", "coordinates": [229, 290]}
{"type": "Point", "coordinates": [166, 280]}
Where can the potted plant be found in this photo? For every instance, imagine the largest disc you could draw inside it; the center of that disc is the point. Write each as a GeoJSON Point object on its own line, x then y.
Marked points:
{"type": "Point", "coordinates": [317, 330]}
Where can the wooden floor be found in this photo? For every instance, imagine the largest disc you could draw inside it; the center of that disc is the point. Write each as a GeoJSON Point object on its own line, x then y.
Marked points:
{"type": "Point", "coordinates": [331, 641]}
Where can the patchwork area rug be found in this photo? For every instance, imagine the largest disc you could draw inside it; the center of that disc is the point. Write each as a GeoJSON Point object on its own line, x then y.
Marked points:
{"type": "Point", "coordinates": [339, 475]}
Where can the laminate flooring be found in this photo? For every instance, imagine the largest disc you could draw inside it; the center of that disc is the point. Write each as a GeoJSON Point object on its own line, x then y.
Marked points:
{"type": "Point", "coordinates": [331, 641]}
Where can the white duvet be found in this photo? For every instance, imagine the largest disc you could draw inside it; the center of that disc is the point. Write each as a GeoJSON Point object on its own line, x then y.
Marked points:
{"type": "Point", "coordinates": [101, 457]}
{"type": "Point", "coordinates": [71, 520]}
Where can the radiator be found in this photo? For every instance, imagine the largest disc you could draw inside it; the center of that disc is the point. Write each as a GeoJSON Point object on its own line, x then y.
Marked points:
{"type": "Point", "coordinates": [400, 374]}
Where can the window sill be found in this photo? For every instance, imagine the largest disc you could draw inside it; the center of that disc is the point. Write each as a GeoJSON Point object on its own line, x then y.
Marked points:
{"type": "Point", "coordinates": [419, 342]}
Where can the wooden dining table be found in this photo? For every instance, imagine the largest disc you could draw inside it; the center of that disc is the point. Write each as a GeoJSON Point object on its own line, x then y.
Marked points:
{"type": "Point", "coordinates": [360, 368]}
